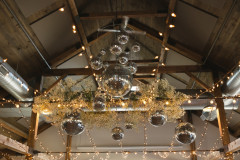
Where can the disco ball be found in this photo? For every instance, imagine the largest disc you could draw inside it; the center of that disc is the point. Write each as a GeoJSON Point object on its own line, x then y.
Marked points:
{"type": "Point", "coordinates": [129, 125]}
{"type": "Point", "coordinates": [117, 80]}
{"type": "Point", "coordinates": [99, 103]}
{"type": "Point", "coordinates": [185, 133]}
{"type": "Point", "coordinates": [72, 124]}
{"type": "Point", "coordinates": [158, 119]}
{"type": "Point", "coordinates": [115, 49]}
{"type": "Point", "coordinates": [103, 52]}
{"type": "Point", "coordinates": [117, 133]}
{"type": "Point", "coordinates": [136, 47]}
{"type": "Point", "coordinates": [123, 58]}
{"type": "Point", "coordinates": [96, 63]}
{"type": "Point", "coordinates": [132, 67]}
{"type": "Point", "coordinates": [123, 38]}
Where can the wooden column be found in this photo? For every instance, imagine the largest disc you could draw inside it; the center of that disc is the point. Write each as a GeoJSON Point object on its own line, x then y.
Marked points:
{"type": "Point", "coordinates": [68, 148]}
{"type": "Point", "coordinates": [192, 145]}
{"type": "Point", "coordinates": [221, 116]}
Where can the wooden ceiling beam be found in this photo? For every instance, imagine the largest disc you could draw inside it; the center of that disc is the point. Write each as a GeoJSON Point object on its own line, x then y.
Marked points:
{"type": "Point", "coordinates": [178, 78]}
{"type": "Point", "coordinates": [121, 14]}
{"type": "Point", "coordinates": [45, 11]}
{"type": "Point", "coordinates": [13, 129]}
{"type": "Point", "coordinates": [68, 148]}
{"type": "Point", "coordinates": [13, 145]}
{"type": "Point", "coordinates": [141, 69]}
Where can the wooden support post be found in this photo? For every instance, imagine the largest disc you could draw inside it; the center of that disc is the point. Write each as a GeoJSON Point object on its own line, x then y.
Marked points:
{"type": "Point", "coordinates": [221, 116]}
{"type": "Point", "coordinates": [68, 148]}
{"type": "Point", "coordinates": [192, 145]}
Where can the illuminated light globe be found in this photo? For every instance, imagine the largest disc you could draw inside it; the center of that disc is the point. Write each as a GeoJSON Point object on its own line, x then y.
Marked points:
{"type": "Point", "coordinates": [96, 63]}
{"type": "Point", "coordinates": [115, 49]}
{"type": "Point", "coordinates": [123, 38]}
{"type": "Point", "coordinates": [158, 119]}
{"type": "Point", "coordinates": [123, 58]}
{"type": "Point", "coordinates": [117, 80]}
{"type": "Point", "coordinates": [185, 133]}
{"type": "Point", "coordinates": [136, 47]}
{"type": "Point", "coordinates": [132, 67]}
{"type": "Point", "coordinates": [99, 103]}
{"type": "Point", "coordinates": [72, 125]}
{"type": "Point", "coordinates": [117, 133]}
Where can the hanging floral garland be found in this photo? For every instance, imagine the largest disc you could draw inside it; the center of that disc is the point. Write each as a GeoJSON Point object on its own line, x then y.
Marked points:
{"type": "Point", "coordinates": [70, 96]}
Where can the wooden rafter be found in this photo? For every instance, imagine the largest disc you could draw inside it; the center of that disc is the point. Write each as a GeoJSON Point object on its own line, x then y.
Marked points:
{"type": "Point", "coordinates": [131, 14]}
{"type": "Point", "coordinates": [13, 145]}
{"type": "Point", "coordinates": [141, 69]}
{"type": "Point", "coordinates": [171, 8]}
{"type": "Point", "coordinates": [45, 11]}
{"type": "Point", "coordinates": [54, 84]}
{"type": "Point", "coordinates": [221, 115]}
{"type": "Point", "coordinates": [196, 79]}
{"type": "Point", "coordinates": [13, 129]}
{"type": "Point", "coordinates": [68, 148]}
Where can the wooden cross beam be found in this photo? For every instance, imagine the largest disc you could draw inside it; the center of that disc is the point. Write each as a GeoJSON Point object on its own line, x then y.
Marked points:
{"type": "Point", "coordinates": [13, 145]}
{"type": "Point", "coordinates": [45, 11]}
{"type": "Point", "coordinates": [141, 69]}
{"type": "Point", "coordinates": [234, 146]}
{"type": "Point", "coordinates": [130, 14]}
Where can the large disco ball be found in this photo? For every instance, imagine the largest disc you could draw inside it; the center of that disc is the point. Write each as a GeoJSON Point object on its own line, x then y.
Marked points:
{"type": "Point", "coordinates": [158, 119]}
{"type": "Point", "coordinates": [123, 58]}
{"type": "Point", "coordinates": [185, 133]}
{"type": "Point", "coordinates": [136, 47]}
{"type": "Point", "coordinates": [123, 38]}
{"type": "Point", "coordinates": [96, 63]}
{"type": "Point", "coordinates": [117, 133]}
{"type": "Point", "coordinates": [117, 80]}
{"type": "Point", "coordinates": [99, 103]}
{"type": "Point", "coordinates": [115, 49]}
{"type": "Point", "coordinates": [72, 124]}
{"type": "Point", "coordinates": [132, 67]}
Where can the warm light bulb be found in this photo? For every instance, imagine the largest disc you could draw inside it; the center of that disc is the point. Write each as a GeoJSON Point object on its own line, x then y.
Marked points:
{"type": "Point", "coordinates": [74, 27]}
{"type": "Point", "coordinates": [163, 64]}
{"type": "Point", "coordinates": [17, 105]}
{"type": "Point", "coordinates": [154, 70]}
{"type": "Point", "coordinates": [189, 101]}
{"type": "Point", "coordinates": [167, 103]}
{"type": "Point", "coordinates": [61, 9]}
{"type": "Point", "coordinates": [83, 48]}
{"type": "Point", "coordinates": [86, 66]}
{"type": "Point", "coordinates": [173, 15]}
{"type": "Point", "coordinates": [167, 49]}
{"type": "Point", "coordinates": [171, 26]}
{"type": "Point", "coordinates": [80, 54]}
{"type": "Point", "coordinates": [160, 34]}
{"type": "Point", "coordinates": [234, 101]}
{"type": "Point", "coordinates": [156, 57]}
{"type": "Point", "coordinates": [5, 60]}
{"type": "Point", "coordinates": [211, 102]}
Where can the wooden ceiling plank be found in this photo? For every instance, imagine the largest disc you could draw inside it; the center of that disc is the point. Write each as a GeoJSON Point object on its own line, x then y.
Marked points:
{"type": "Point", "coordinates": [196, 79]}
{"type": "Point", "coordinates": [121, 14]}
{"type": "Point", "coordinates": [28, 31]}
{"type": "Point", "coordinates": [45, 11]}
{"type": "Point", "coordinates": [13, 145]}
{"type": "Point", "coordinates": [13, 129]}
{"type": "Point", "coordinates": [141, 69]}
{"type": "Point", "coordinates": [200, 5]}
{"type": "Point", "coordinates": [68, 148]}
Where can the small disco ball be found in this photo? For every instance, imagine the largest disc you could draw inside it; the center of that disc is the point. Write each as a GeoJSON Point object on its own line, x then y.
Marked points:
{"type": "Point", "coordinates": [103, 52]}
{"type": "Point", "coordinates": [99, 103]}
{"type": "Point", "coordinates": [96, 63]}
{"type": "Point", "coordinates": [123, 58]}
{"type": "Point", "coordinates": [117, 80]}
{"type": "Point", "coordinates": [158, 119]}
{"type": "Point", "coordinates": [185, 133]}
{"type": "Point", "coordinates": [136, 47]}
{"type": "Point", "coordinates": [72, 125]}
{"type": "Point", "coordinates": [123, 38]}
{"type": "Point", "coordinates": [115, 49]}
{"type": "Point", "coordinates": [132, 67]}
{"type": "Point", "coordinates": [117, 133]}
